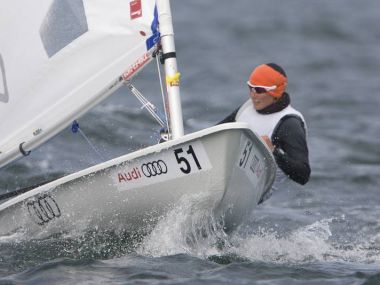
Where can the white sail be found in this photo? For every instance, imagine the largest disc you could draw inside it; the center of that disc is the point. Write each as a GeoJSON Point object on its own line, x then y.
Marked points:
{"type": "Point", "coordinates": [58, 58]}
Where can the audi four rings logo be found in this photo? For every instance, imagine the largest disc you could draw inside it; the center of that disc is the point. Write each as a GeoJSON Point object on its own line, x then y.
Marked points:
{"type": "Point", "coordinates": [154, 168]}
{"type": "Point", "coordinates": [44, 209]}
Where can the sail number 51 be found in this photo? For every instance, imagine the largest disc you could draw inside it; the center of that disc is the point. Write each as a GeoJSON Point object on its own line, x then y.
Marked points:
{"type": "Point", "coordinates": [183, 158]}
{"type": "Point", "coordinates": [245, 155]}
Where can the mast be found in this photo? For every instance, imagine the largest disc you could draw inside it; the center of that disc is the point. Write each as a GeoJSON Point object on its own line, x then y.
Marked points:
{"type": "Point", "coordinates": [171, 71]}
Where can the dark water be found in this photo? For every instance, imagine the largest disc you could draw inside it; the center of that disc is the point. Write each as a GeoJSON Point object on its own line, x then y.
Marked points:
{"type": "Point", "coordinates": [327, 232]}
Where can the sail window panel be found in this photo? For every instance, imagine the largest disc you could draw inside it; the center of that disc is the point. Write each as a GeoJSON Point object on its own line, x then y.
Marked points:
{"type": "Point", "coordinates": [3, 82]}
{"type": "Point", "coordinates": [65, 21]}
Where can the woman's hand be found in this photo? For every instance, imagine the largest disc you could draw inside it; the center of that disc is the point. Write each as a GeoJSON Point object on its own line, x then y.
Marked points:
{"type": "Point", "coordinates": [267, 140]}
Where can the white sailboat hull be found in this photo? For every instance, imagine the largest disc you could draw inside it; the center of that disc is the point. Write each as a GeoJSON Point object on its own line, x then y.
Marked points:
{"type": "Point", "coordinates": [227, 163]}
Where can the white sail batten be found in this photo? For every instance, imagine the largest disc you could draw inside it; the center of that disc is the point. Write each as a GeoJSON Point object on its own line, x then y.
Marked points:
{"type": "Point", "coordinates": [59, 58]}
{"type": "Point", "coordinates": [171, 70]}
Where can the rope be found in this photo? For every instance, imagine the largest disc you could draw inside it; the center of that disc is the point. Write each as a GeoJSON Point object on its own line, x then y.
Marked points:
{"type": "Point", "coordinates": [75, 128]}
{"type": "Point", "coordinates": [146, 104]}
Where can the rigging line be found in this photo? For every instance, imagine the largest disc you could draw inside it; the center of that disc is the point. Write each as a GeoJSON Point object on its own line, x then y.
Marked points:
{"type": "Point", "coordinates": [75, 128]}
{"type": "Point", "coordinates": [146, 104]}
{"type": "Point", "coordinates": [162, 93]}
{"type": "Point", "coordinates": [91, 145]}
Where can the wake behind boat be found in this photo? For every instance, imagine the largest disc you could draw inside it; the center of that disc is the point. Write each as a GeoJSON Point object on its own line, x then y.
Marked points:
{"type": "Point", "coordinates": [228, 164]}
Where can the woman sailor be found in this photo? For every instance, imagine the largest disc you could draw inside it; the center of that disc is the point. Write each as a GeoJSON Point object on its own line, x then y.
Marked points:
{"type": "Point", "coordinates": [283, 128]}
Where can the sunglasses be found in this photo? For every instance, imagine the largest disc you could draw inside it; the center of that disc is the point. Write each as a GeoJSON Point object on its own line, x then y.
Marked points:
{"type": "Point", "coordinates": [260, 89]}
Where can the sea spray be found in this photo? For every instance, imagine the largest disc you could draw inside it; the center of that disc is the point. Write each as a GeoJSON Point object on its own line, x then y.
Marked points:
{"type": "Point", "coordinates": [190, 228]}
{"type": "Point", "coordinates": [310, 243]}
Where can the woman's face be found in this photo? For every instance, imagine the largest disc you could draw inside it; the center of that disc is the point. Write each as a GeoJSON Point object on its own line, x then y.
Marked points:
{"type": "Point", "coordinates": [261, 100]}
